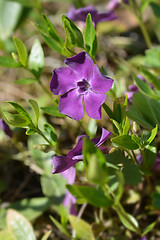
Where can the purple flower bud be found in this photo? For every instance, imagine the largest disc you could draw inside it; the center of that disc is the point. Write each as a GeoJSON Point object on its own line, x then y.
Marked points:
{"type": "Point", "coordinates": [112, 4]}
{"type": "Point", "coordinates": [80, 14]}
{"type": "Point", "coordinates": [81, 81]}
{"type": "Point", "coordinates": [4, 126]}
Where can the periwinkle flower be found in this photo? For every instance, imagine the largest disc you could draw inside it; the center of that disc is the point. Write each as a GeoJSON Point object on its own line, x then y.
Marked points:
{"type": "Point", "coordinates": [62, 163]}
{"type": "Point", "coordinates": [70, 200]}
{"type": "Point", "coordinates": [80, 14]}
{"type": "Point", "coordinates": [81, 80]}
{"type": "Point", "coordinates": [112, 4]}
{"type": "Point", "coordinates": [4, 126]}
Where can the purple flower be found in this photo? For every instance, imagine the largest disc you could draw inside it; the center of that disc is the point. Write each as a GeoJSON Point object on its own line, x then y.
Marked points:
{"type": "Point", "coordinates": [62, 163]}
{"type": "Point", "coordinates": [4, 126]}
{"type": "Point", "coordinates": [81, 80]}
{"type": "Point", "coordinates": [70, 200]}
{"type": "Point", "coordinates": [143, 238]}
{"type": "Point", "coordinates": [80, 14]}
{"type": "Point", "coordinates": [112, 4]}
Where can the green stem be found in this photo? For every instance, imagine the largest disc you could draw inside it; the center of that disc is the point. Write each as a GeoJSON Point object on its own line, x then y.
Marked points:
{"type": "Point", "coordinates": [42, 135]}
{"type": "Point", "coordinates": [145, 33]}
{"type": "Point", "coordinates": [44, 88]}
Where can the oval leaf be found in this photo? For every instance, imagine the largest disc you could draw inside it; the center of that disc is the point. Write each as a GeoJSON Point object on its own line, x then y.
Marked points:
{"type": "Point", "coordinates": [125, 141]}
{"type": "Point", "coordinates": [22, 51]}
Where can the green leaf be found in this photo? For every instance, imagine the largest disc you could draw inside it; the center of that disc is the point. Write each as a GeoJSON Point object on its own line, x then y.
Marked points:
{"type": "Point", "coordinates": [30, 131]}
{"type": "Point", "coordinates": [156, 9]}
{"type": "Point", "coordinates": [151, 78]}
{"type": "Point", "coordinates": [15, 120]}
{"type": "Point", "coordinates": [126, 126]}
{"type": "Point", "coordinates": [108, 110]}
{"type": "Point", "coordinates": [73, 31]}
{"type": "Point", "coordinates": [131, 172]}
{"type": "Point", "coordinates": [82, 229]}
{"type": "Point", "coordinates": [52, 43]}
{"type": "Point", "coordinates": [9, 62]}
{"type": "Point", "coordinates": [118, 126]}
{"type": "Point", "coordinates": [152, 135]}
{"type": "Point", "coordinates": [10, 14]}
{"type": "Point", "coordinates": [21, 111]}
{"type": "Point", "coordinates": [36, 59]}
{"type": "Point", "coordinates": [125, 141]}
{"type": "Point", "coordinates": [56, 185]}
{"type": "Point", "coordinates": [90, 37]}
{"type": "Point", "coordinates": [64, 216]}
{"type": "Point", "coordinates": [19, 226]}
{"type": "Point", "coordinates": [31, 208]}
{"type": "Point", "coordinates": [144, 4]}
{"type": "Point", "coordinates": [120, 189]}
{"type": "Point", "coordinates": [6, 235]}
{"type": "Point", "coordinates": [51, 132]}
{"type": "Point", "coordinates": [149, 228]}
{"type": "Point", "coordinates": [46, 235]}
{"type": "Point", "coordinates": [22, 51]}
{"type": "Point", "coordinates": [25, 81]}
{"type": "Point", "coordinates": [156, 197]}
{"type": "Point", "coordinates": [149, 157]}
{"type": "Point", "coordinates": [53, 111]}
{"type": "Point", "coordinates": [35, 107]}
{"type": "Point", "coordinates": [92, 195]}
{"type": "Point", "coordinates": [95, 163]}
{"type": "Point", "coordinates": [145, 88]}
{"type": "Point", "coordinates": [60, 227]}
{"type": "Point", "coordinates": [52, 31]}
{"type": "Point", "coordinates": [152, 57]}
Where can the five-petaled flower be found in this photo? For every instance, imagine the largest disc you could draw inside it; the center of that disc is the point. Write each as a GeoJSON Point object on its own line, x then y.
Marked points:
{"type": "Point", "coordinates": [62, 163]}
{"type": "Point", "coordinates": [80, 14]}
{"type": "Point", "coordinates": [81, 80]}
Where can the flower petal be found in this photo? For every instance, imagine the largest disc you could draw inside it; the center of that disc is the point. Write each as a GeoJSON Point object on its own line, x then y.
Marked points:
{"type": "Point", "coordinates": [106, 16]}
{"type": "Point", "coordinates": [93, 102]}
{"type": "Point", "coordinates": [77, 150]}
{"type": "Point", "coordinates": [99, 82]}
{"type": "Point", "coordinates": [80, 14]}
{"type": "Point", "coordinates": [71, 105]}
{"type": "Point", "coordinates": [104, 136]}
{"type": "Point", "coordinates": [62, 163]}
{"type": "Point", "coordinates": [69, 175]}
{"type": "Point", "coordinates": [82, 64]}
{"type": "Point", "coordinates": [63, 80]}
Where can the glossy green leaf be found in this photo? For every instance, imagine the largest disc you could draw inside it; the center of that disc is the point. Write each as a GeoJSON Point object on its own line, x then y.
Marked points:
{"type": "Point", "coordinates": [126, 126]}
{"type": "Point", "coordinates": [8, 62]}
{"type": "Point", "coordinates": [51, 132]}
{"type": "Point", "coordinates": [19, 226]}
{"type": "Point", "coordinates": [152, 135]}
{"type": "Point", "coordinates": [52, 110]}
{"type": "Point", "coordinates": [22, 51]}
{"type": "Point", "coordinates": [36, 59]}
{"type": "Point", "coordinates": [52, 43]}
{"type": "Point", "coordinates": [82, 229]}
{"type": "Point", "coordinates": [125, 141]}
{"type": "Point", "coordinates": [25, 81]}
{"type": "Point", "coordinates": [10, 13]}
{"type": "Point", "coordinates": [35, 107]}
{"type": "Point", "coordinates": [108, 110]}
{"type": "Point", "coordinates": [72, 32]}
{"type": "Point", "coordinates": [92, 195]}
{"type": "Point", "coordinates": [95, 163]}
{"type": "Point", "coordinates": [30, 131]}
{"type": "Point", "coordinates": [21, 111]}
{"type": "Point", "coordinates": [15, 120]}
{"type": "Point", "coordinates": [118, 126]}
{"type": "Point", "coordinates": [90, 36]}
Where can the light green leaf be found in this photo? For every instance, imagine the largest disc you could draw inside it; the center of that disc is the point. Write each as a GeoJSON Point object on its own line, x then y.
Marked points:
{"type": "Point", "coordinates": [35, 107]}
{"type": "Point", "coordinates": [90, 37]}
{"type": "Point", "coordinates": [125, 141]}
{"type": "Point", "coordinates": [19, 226]}
{"type": "Point", "coordinates": [60, 227]}
{"type": "Point", "coordinates": [152, 135]}
{"type": "Point", "coordinates": [82, 229]}
{"type": "Point", "coordinates": [22, 51]}
{"type": "Point", "coordinates": [6, 235]}
{"type": "Point", "coordinates": [52, 133]}
{"type": "Point", "coordinates": [70, 34]}
{"type": "Point", "coordinates": [149, 228]}
{"type": "Point", "coordinates": [46, 235]}
{"type": "Point", "coordinates": [53, 111]}
{"type": "Point", "coordinates": [9, 62]}
{"type": "Point", "coordinates": [15, 120]}
{"type": "Point", "coordinates": [25, 81]}
{"type": "Point", "coordinates": [152, 57]}
{"type": "Point", "coordinates": [126, 126]}
{"type": "Point", "coordinates": [36, 59]}
{"type": "Point", "coordinates": [92, 195]}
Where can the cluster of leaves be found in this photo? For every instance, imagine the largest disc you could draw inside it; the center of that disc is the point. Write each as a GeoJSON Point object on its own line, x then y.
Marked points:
{"type": "Point", "coordinates": [103, 178]}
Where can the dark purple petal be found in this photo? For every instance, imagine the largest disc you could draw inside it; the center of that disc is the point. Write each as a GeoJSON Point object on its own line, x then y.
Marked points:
{"type": "Point", "coordinates": [61, 163]}
{"type": "Point", "coordinates": [82, 65]}
{"type": "Point", "coordinates": [69, 175]}
{"type": "Point", "coordinates": [4, 126]}
{"type": "Point", "coordinates": [80, 14]}
{"type": "Point", "coordinates": [71, 105]}
{"type": "Point", "coordinates": [105, 17]}
{"type": "Point", "coordinates": [104, 136]}
{"type": "Point", "coordinates": [93, 102]}
{"type": "Point", "coordinates": [77, 150]}
{"type": "Point", "coordinates": [99, 82]}
{"type": "Point", "coordinates": [63, 80]}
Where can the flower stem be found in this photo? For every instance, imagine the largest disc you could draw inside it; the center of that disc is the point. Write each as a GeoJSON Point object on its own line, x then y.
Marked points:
{"type": "Point", "coordinates": [145, 33]}
{"type": "Point", "coordinates": [44, 88]}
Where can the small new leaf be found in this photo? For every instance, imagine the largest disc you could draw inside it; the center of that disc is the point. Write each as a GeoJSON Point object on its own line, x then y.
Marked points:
{"type": "Point", "coordinates": [22, 51]}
